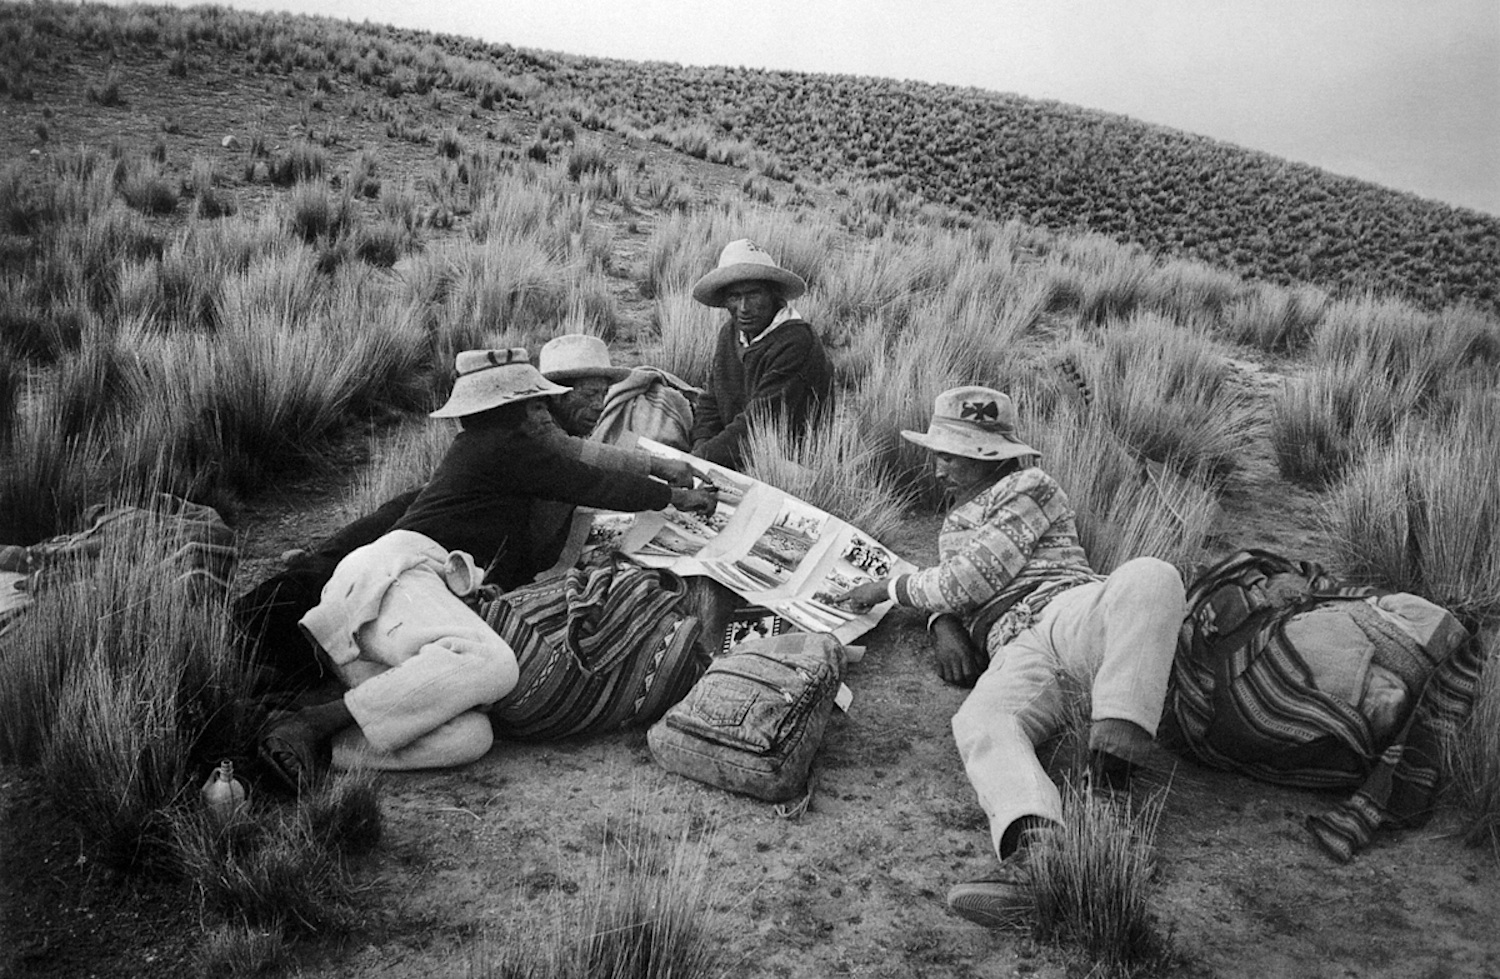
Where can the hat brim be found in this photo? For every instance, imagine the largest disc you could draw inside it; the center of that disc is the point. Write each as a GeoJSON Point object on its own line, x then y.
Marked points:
{"type": "Point", "coordinates": [614, 374]}
{"type": "Point", "coordinates": [471, 401]}
{"type": "Point", "coordinates": [983, 446]}
{"type": "Point", "coordinates": [708, 289]}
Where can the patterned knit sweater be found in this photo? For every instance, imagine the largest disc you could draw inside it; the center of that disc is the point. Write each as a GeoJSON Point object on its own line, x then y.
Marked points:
{"type": "Point", "coordinates": [1014, 541]}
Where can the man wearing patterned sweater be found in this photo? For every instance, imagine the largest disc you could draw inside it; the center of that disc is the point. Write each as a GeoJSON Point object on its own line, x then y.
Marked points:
{"type": "Point", "coordinates": [767, 360]}
{"type": "Point", "coordinates": [1014, 587]}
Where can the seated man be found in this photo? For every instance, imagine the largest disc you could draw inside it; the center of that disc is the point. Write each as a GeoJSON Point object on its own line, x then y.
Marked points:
{"type": "Point", "coordinates": [1010, 566]}
{"type": "Point", "coordinates": [417, 660]}
{"type": "Point", "coordinates": [268, 614]}
{"type": "Point", "coordinates": [767, 360]}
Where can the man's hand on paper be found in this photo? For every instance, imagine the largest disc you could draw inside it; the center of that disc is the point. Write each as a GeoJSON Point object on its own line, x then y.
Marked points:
{"type": "Point", "coordinates": [862, 598]}
{"type": "Point", "coordinates": [703, 501]}
{"type": "Point", "coordinates": [674, 472]}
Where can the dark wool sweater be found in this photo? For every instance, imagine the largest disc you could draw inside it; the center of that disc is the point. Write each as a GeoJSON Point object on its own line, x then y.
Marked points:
{"type": "Point", "coordinates": [486, 492]}
{"type": "Point", "coordinates": [787, 372]}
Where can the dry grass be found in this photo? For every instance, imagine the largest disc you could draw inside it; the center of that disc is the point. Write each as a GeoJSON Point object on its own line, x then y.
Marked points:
{"type": "Point", "coordinates": [1422, 513]}
{"type": "Point", "coordinates": [270, 875]}
{"type": "Point", "coordinates": [1125, 507]}
{"type": "Point", "coordinates": [1092, 882]}
{"type": "Point", "coordinates": [830, 467]}
{"type": "Point", "coordinates": [1168, 393]}
{"type": "Point", "coordinates": [1471, 760]}
{"type": "Point", "coordinates": [119, 684]}
{"type": "Point", "coordinates": [645, 913]}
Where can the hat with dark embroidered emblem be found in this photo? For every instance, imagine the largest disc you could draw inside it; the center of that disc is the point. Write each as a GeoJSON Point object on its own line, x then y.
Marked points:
{"type": "Point", "coordinates": [974, 422]}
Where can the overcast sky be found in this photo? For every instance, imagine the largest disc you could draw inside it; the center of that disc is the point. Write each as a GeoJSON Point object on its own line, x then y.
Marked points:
{"type": "Point", "coordinates": [1404, 93]}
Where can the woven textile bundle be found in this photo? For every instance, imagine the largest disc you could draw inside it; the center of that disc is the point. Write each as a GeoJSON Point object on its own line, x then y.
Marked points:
{"type": "Point", "coordinates": [604, 647]}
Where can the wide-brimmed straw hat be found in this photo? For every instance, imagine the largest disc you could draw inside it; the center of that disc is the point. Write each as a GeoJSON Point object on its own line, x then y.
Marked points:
{"type": "Point", "coordinates": [491, 378]}
{"type": "Point", "coordinates": [973, 422]}
{"type": "Point", "coordinates": [745, 261]}
{"type": "Point", "coordinates": [576, 355]}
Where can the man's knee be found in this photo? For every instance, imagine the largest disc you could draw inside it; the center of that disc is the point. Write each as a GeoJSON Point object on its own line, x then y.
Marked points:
{"type": "Point", "coordinates": [1153, 581]}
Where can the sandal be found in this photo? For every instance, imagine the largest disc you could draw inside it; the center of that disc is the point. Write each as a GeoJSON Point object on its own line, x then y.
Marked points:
{"type": "Point", "coordinates": [291, 752]}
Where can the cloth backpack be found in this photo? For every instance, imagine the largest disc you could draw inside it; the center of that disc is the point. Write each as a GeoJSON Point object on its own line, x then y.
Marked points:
{"type": "Point", "coordinates": [754, 720]}
{"type": "Point", "coordinates": [1286, 675]}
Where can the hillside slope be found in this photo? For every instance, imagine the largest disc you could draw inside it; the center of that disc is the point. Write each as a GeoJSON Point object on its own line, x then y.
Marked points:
{"type": "Point", "coordinates": [989, 154]}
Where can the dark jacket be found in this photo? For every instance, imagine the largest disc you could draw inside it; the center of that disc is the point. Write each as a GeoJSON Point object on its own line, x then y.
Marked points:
{"type": "Point", "coordinates": [785, 373]}
{"type": "Point", "coordinates": [481, 498]}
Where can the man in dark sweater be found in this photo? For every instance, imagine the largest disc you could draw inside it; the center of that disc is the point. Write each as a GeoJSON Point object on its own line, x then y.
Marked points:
{"type": "Point", "coordinates": [767, 361]}
{"type": "Point", "coordinates": [418, 663]}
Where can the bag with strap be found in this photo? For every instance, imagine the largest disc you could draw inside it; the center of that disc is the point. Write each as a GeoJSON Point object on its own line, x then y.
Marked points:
{"type": "Point", "coordinates": [1286, 675]}
{"type": "Point", "coordinates": [754, 720]}
{"type": "Point", "coordinates": [607, 646]}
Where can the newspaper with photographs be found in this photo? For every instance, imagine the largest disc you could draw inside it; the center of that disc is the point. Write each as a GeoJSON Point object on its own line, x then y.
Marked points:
{"type": "Point", "coordinates": [770, 548]}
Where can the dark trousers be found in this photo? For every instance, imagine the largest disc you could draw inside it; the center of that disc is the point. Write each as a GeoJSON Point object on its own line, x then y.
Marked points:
{"type": "Point", "coordinates": [271, 643]}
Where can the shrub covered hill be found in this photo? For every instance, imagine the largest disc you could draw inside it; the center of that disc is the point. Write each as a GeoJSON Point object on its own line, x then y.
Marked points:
{"type": "Point", "coordinates": [996, 155]}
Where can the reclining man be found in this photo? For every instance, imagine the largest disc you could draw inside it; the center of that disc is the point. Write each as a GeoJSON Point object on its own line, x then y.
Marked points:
{"type": "Point", "coordinates": [1012, 575]}
{"type": "Point", "coordinates": [418, 662]}
{"type": "Point", "coordinates": [268, 614]}
{"type": "Point", "coordinates": [767, 360]}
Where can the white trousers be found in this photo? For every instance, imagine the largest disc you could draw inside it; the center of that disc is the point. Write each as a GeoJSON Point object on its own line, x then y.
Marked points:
{"type": "Point", "coordinates": [1119, 633]}
{"type": "Point", "coordinates": [426, 662]}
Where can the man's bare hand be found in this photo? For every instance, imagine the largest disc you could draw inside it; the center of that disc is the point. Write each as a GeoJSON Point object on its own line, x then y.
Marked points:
{"type": "Point", "coordinates": [863, 597]}
{"type": "Point", "coordinates": [958, 661]}
{"type": "Point", "coordinates": [702, 501]}
{"type": "Point", "coordinates": [674, 472]}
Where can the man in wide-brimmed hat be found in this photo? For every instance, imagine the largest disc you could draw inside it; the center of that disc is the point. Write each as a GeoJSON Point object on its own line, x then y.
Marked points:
{"type": "Point", "coordinates": [1013, 595]}
{"type": "Point", "coordinates": [418, 661]}
{"type": "Point", "coordinates": [272, 644]}
{"type": "Point", "coordinates": [767, 360]}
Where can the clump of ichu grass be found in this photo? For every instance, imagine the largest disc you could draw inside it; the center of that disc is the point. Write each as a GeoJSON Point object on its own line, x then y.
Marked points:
{"type": "Point", "coordinates": [1422, 512]}
{"type": "Point", "coordinates": [1325, 422]}
{"type": "Point", "coordinates": [688, 332]}
{"type": "Point", "coordinates": [403, 461]}
{"type": "Point", "coordinates": [1376, 363]}
{"type": "Point", "coordinates": [1274, 318]}
{"type": "Point", "coordinates": [646, 912]}
{"type": "Point", "coordinates": [1091, 881]}
{"type": "Point", "coordinates": [1471, 758]}
{"type": "Point", "coordinates": [830, 467]}
{"type": "Point", "coordinates": [1169, 393]}
{"type": "Point", "coordinates": [685, 246]}
{"type": "Point", "coordinates": [46, 478]}
{"type": "Point", "coordinates": [119, 683]}
{"type": "Point", "coordinates": [281, 871]}
{"type": "Point", "coordinates": [1126, 506]}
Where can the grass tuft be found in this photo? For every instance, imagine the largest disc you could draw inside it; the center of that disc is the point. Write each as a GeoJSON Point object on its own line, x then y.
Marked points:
{"type": "Point", "coordinates": [1092, 884]}
{"type": "Point", "coordinates": [1471, 759]}
{"type": "Point", "coordinates": [645, 913]}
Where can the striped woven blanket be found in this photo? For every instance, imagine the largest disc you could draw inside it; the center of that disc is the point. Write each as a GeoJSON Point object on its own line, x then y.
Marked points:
{"type": "Point", "coordinates": [603, 647]}
{"type": "Point", "coordinates": [196, 543]}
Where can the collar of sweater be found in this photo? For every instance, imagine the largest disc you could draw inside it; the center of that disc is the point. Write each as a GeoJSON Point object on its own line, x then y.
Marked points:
{"type": "Point", "coordinates": [783, 315]}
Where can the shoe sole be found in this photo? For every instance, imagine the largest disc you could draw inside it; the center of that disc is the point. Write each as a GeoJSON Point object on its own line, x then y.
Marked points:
{"type": "Point", "coordinates": [989, 909]}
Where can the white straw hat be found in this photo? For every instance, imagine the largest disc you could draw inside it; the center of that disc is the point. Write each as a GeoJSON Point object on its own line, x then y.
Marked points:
{"type": "Point", "coordinates": [745, 261]}
{"type": "Point", "coordinates": [576, 355]}
{"type": "Point", "coordinates": [491, 378]}
{"type": "Point", "coordinates": [974, 422]}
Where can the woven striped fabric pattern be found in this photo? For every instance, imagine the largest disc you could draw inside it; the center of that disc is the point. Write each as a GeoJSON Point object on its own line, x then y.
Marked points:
{"type": "Point", "coordinates": [1242, 699]}
{"type": "Point", "coordinates": [1241, 696]}
{"type": "Point", "coordinates": [1400, 791]}
{"type": "Point", "coordinates": [604, 647]}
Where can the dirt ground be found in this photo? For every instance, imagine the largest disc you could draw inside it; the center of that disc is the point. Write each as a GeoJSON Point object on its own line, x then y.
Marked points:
{"type": "Point", "coordinates": [855, 887]}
